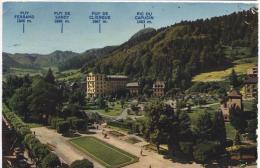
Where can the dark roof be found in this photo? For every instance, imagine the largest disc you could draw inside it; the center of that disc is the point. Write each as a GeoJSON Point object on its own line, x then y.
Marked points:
{"type": "Point", "coordinates": [252, 80]}
{"type": "Point", "coordinates": [234, 93]}
{"type": "Point", "coordinates": [132, 84]}
{"type": "Point", "coordinates": [116, 76]}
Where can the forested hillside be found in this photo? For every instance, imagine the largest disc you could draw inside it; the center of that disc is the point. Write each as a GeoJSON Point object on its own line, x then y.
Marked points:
{"type": "Point", "coordinates": [178, 52]}
{"type": "Point", "coordinates": [87, 58]}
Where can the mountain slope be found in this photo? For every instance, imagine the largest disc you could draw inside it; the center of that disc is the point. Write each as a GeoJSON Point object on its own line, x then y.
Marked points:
{"type": "Point", "coordinates": [9, 62]}
{"type": "Point", "coordinates": [85, 59]}
{"type": "Point", "coordinates": [178, 52]}
{"type": "Point", "coordinates": [38, 60]}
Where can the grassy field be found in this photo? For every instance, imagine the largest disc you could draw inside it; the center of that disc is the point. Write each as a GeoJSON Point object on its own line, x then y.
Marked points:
{"type": "Point", "coordinates": [103, 152]}
{"type": "Point", "coordinates": [69, 75]}
{"type": "Point", "coordinates": [221, 75]}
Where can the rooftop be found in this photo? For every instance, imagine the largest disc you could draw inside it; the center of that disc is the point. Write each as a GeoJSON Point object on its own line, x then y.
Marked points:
{"type": "Point", "coordinates": [132, 84]}
{"type": "Point", "coordinates": [117, 76]}
{"type": "Point", "coordinates": [234, 93]}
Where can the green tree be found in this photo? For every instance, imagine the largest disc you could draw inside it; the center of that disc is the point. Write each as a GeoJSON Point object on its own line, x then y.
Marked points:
{"type": "Point", "coordinates": [233, 78]}
{"type": "Point", "coordinates": [237, 118]}
{"type": "Point", "coordinates": [219, 128]}
{"type": "Point", "coordinates": [79, 124]}
{"type": "Point", "coordinates": [101, 102]}
{"type": "Point", "coordinates": [204, 127]}
{"type": "Point", "coordinates": [51, 161]}
{"type": "Point", "coordinates": [44, 100]}
{"type": "Point", "coordinates": [63, 127]}
{"type": "Point", "coordinates": [167, 125]}
{"type": "Point", "coordinates": [77, 97]}
{"type": "Point", "coordinates": [72, 110]}
{"type": "Point", "coordinates": [49, 77]}
{"type": "Point", "coordinates": [11, 83]}
{"type": "Point", "coordinates": [82, 164]}
{"type": "Point", "coordinates": [206, 151]}
{"type": "Point", "coordinates": [19, 102]}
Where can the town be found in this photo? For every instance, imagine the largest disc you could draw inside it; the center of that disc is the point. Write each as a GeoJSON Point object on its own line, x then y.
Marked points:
{"type": "Point", "coordinates": [182, 95]}
{"type": "Point", "coordinates": [108, 95]}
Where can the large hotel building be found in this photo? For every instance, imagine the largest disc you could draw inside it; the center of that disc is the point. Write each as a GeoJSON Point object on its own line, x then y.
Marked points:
{"type": "Point", "coordinates": [101, 84]}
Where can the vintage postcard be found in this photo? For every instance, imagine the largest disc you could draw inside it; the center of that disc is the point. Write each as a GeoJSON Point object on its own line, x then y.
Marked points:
{"type": "Point", "coordinates": [129, 84]}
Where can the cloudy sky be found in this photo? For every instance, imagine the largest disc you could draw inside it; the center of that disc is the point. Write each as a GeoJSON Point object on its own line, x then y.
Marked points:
{"type": "Point", "coordinates": [44, 36]}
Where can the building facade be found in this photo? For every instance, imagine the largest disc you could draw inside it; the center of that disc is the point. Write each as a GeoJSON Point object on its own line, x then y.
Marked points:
{"type": "Point", "coordinates": [234, 99]}
{"type": "Point", "coordinates": [252, 72]}
{"type": "Point", "coordinates": [250, 84]}
{"type": "Point", "coordinates": [133, 88]}
{"type": "Point", "coordinates": [158, 89]}
{"type": "Point", "coordinates": [101, 84]}
{"type": "Point", "coordinates": [250, 87]}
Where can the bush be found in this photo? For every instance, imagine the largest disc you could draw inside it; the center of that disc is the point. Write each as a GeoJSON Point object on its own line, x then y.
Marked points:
{"type": "Point", "coordinates": [118, 124]}
{"type": "Point", "coordinates": [51, 161]}
{"type": "Point", "coordinates": [82, 164]}
{"type": "Point", "coordinates": [63, 127]}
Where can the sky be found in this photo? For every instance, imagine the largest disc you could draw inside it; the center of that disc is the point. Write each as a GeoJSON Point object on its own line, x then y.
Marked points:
{"type": "Point", "coordinates": [44, 36]}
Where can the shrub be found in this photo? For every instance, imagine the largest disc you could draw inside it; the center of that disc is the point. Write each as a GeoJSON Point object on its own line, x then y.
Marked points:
{"type": "Point", "coordinates": [63, 127]}
{"type": "Point", "coordinates": [82, 164]}
{"type": "Point", "coordinates": [51, 161]}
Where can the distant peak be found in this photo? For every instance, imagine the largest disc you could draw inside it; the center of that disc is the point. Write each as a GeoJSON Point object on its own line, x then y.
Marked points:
{"type": "Point", "coordinates": [143, 32]}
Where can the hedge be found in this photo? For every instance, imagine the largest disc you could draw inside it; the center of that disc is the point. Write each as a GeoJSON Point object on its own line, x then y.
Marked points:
{"type": "Point", "coordinates": [39, 150]}
{"type": "Point", "coordinates": [118, 124]}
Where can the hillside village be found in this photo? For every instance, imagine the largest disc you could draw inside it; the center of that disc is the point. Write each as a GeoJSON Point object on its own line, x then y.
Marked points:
{"type": "Point", "coordinates": [140, 104]}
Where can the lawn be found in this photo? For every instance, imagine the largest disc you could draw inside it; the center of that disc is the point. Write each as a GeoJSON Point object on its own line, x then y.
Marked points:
{"type": "Point", "coordinates": [221, 75]}
{"type": "Point", "coordinates": [103, 152]}
{"type": "Point", "coordinates": [230, 130]}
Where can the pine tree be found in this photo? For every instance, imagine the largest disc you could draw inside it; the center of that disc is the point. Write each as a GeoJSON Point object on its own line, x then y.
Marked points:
{"type": "Point", "coordinates": [233, 79]}
{"type": "Point", "coordinates": [49, 77]}
{"type": "Point", "coordinates": [237, 118]}
{"type": "Point", "coordinates": [204, 127]}
{"type": "Point", "coordinates": [219, 128]}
